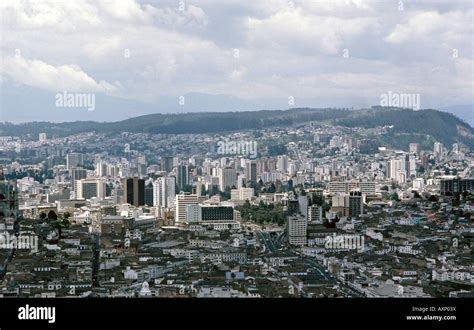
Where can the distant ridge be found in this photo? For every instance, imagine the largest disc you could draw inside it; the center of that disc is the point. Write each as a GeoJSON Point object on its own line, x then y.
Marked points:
{"type": "Point", "coordinates": [442, 126]}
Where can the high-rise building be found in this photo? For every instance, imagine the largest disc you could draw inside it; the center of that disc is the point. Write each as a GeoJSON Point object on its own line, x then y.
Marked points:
{"type": "Point", "coordinates": [112, 170]}
{"type": "Point", "coordinates": [76, 175]}
{"type": "Point", "coordinates": [8, 198]}
{"type": "Point", "coordinates": [101, 169]}
{"type": "Point", "coordinates": [164, 192]}
{"type": "Point", "coordinates": [209, 213]}
{"type": "Point", "coordinates": [355, 203]}
{"type": "Point", "coordinates": [303, 205]}
{"type": "Point", "coordinates": [418, 184]}
{"type": "Point", "coordinates": [182, 176]}
{"type": "Point", "coordinates": [149, 200]}
{"type": "Point", "coordinates": [396, 170]}
{"type": "Point", "coordinates": [411, 165]}
{"type": "Point", "coordinates": [134, 191]}
{"type": "Point", "coordinates": [366, 187]}
{"type": "Point", "coordinates": [282, 163]}
{"type": "Point", "coordinates": [166, 163]}
{"type": "Point", "coordinates": [251, 171]}
{"type": "Point", "coordinates": [42, 137]}
{"type": "Point", "coordinates": [297, 230]}
{"type": "Point", "coordinates": [74, 160]}
{"type": "Point", "coordinates": [414, 148]}
{"type": "Point", "coordinates": [315, 214]}
{"type": "Point", "coordinates": [182, 202]}
{"type": "Point", "coordinates": [450, 186]}
{"type": "Point", "coordinates": [227, 178]}
{"type": "Point", "coordinates": [438, 149]}
{"type": "Point", "coordinates": [141, 160]}
{"type": "Point", "coordinates": [242, 194]}
{"type": "Point", "coordinates": [89, 188]}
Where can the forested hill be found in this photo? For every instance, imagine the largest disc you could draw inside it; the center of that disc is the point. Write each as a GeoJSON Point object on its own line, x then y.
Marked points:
{"type": "Point", "coordinates": [442, 126]}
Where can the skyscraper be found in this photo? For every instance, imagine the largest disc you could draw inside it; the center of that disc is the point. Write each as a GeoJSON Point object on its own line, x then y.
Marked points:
{"type": "Point", "coordinates": [251, 171]}
{"type": "Point", "coordinates": [166, 163]}
{"type": "Point", "coordinates": [74, 160]}
{"type": "Point", "coordinates": [182, 173]}
{"type": "Point", "coordinates": [297, 230]}
{"type": "Point", "coordinates": [355, 203]}
{"type": "Point", "coordinates": [315, 214]}
{"type": "Point", "coordinates": [149, 194]}
{"type": "Point", "coordinates": [164, 192]}
{"type": "Point", "coordinates": [396, 170]}
{"type": "Point", "coordinates": [182, 202]}
{"type": "Point", "coordinates": [101, 169]}
{"type": "Point", "coordinates": [282, 163]}
{"type": "Point", "coordinates": [76, 175]}
{"type": "Point", "coordinates": [414, 148]}
{"type": "Point", "coordinates": [8, 198]}
{"type": "Point", "coordinates": [227, 178]}
{"type": "Point", "coordinates": [134, 191]}
{"type": "Point", "coordinates": [438, 149]}
{"type": "Point", "coordinates": [89, 188]}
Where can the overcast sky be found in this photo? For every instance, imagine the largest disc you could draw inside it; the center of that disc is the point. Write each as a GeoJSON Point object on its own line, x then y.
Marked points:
{"type": "Point", "coordinates": [321, 53]}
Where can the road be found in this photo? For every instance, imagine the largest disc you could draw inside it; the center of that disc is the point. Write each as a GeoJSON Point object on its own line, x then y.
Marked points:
{"type": "Point", "coordinates": [271, 244]}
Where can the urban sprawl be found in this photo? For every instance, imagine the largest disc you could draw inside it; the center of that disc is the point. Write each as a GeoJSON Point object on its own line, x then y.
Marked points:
{"type": "Point", "coordinates": [306, 211]}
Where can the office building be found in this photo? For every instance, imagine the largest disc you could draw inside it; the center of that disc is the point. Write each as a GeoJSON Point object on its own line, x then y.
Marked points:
{"type": "Point", "coordinates": [149, 200]}
{"type": "Point", "coordinates": [242, 194]}
{"type": "Point", "coordinates": [315, 214]}
{"type": "Point", "coordinates": [355, 204]}
{"type": "Point", "coordinates": [344, 187]}
{"type": "Point", "coordinates": [297, 230]}
{"type": "Point", "coordinates": [89, 188]}
{"type": "Point", "coordinates": [251, 171]}
{"type": "Point", "coordinates": [42, 137]}
{"type": "Point", "coordinates": [438, 150]}
{"type": "Point", "coordinates": [164, 192]}
{"type": "Point", "coordinates": [134, 191]}
{"type": "Point", "coordinates": [209, 213]}
{"type": "Point", "coordinates": [396, 170]}
{"type": "Point", "coordinates": [413, 148]}
{"type": "Point", "coordinates": [101, 169]}
{"type": "Point", "coordinates": [166, 163]}
{"type": "Point", "coordinates": [227, 178]}
{"type": "Point", "coordinates": [182, 202]}
{"type": "Point", "coordinates": [76, 175]}
{"type": "Point", "coordinates": [74, 160]}
{"type": "Point", "coordinates": [282, 163]}
{"type": "Point", "coordinates": [8, 198]}
{"type": "Point", "coordinates": [450, 186]}
{"type": "Point", "coordinates": [182, 176]}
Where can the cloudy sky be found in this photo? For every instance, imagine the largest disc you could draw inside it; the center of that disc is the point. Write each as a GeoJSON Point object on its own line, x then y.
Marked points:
{"type": "Point", "coordinates": [142, 56]}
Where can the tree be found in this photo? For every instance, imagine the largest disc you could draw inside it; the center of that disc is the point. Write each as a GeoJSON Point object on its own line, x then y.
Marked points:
{"type": "Point", "coordinates": [395, 197]}
{"type": "Point", "coordinates": [52, 215]}
{"type": "Point", "coordinates": [272, 188]}
{"type": "Point", "coordinates": [60, 224]}
{"type": "Point", "coordinates": [290, 185]}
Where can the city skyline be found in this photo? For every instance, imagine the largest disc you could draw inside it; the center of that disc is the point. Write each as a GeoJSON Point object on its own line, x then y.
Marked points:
{"type": "Point", "coordinates": [291, 150]}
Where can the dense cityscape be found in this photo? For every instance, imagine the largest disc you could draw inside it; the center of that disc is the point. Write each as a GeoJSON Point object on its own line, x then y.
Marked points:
{"type": "Point", "coordinates": [307, 210]}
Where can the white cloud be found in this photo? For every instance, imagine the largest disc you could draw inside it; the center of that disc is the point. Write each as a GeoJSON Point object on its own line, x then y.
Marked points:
{"type": "Point", "coordinates": [39, 74]}
{"type": "Point", "coordinates": [431, 23]}
{"type": "Point", "coordinates": [284, 49]}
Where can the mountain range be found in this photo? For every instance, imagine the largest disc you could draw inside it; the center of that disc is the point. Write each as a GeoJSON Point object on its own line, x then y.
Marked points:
{"type": "Point", "coordinates": [414, 126]}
